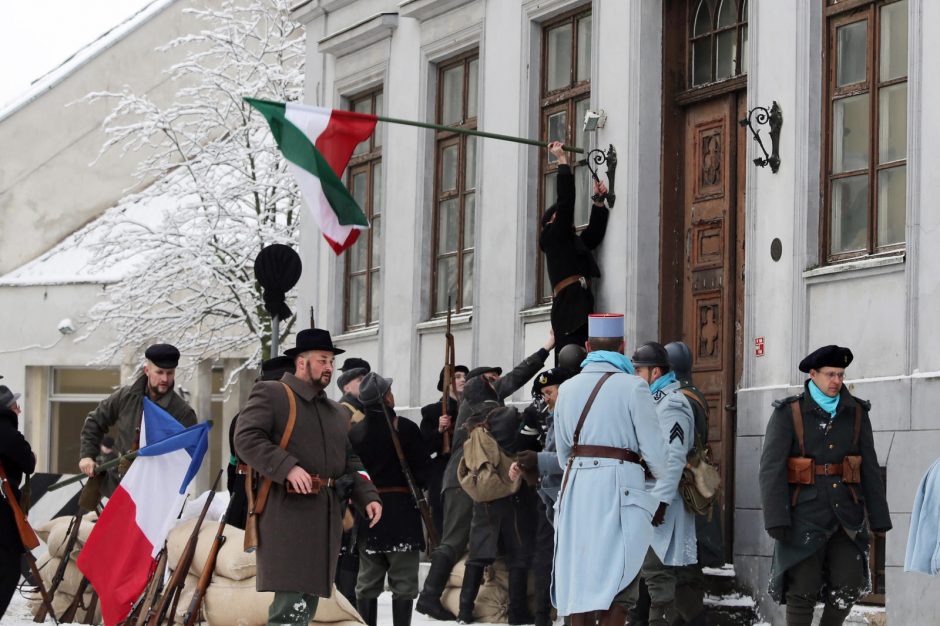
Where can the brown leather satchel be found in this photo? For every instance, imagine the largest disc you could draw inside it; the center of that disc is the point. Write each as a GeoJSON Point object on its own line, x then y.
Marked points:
{"type": "Point", "coordinates": [801, 470]}
{"type": "Point", "coordinates": [852, 469]}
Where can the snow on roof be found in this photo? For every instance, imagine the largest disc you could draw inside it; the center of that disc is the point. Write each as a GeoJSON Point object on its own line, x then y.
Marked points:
{"type": "Point", "coordinates": [69, 262]}
{"type": "Point", "coordinates": [85, 54]}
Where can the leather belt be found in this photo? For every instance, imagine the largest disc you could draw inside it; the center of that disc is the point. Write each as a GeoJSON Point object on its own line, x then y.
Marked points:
{"type": "Point", "coordinates": [829, 469]}
{"type": "Point", "coordinates": [393, 490]}
{"type": "Point", "coordinates": [565, 282]}
{"type": "Point", "coordinates": [318, 484]}
{"type": "Point", "coordinates": [606, 452]}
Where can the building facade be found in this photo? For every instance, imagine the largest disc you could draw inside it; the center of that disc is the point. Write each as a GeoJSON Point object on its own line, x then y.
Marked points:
{"type": "Point", "coordinates": [753, 266]}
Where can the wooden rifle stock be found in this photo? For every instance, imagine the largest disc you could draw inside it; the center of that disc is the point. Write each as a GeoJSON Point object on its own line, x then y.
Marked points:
{"type": "Point", "coordinates": [416, 492]}
{"type": "Point", "coordinates": [450, 364]}
{"type": "Point", "coordinates": [68, 616]}
{"type": "Point", "coordinates": [152, 590]}
{"type": "Point", "coordinates": [251, 520]}
{"type": "Point", "coordinates": [27, 536]}
{"type": "Point", "coordinates": [178, 580]}
{"type": "Point", "coordinates": [192, 613]}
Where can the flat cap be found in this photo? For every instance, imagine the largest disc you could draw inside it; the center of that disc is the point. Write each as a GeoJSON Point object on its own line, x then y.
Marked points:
{"type": "Point", "coordinates": [553, 376]}
{"type": "Point", "coordinates": [163, 355]}
{"type": "Point", "coordinates": [373, 388]}
{"type": "Point", "coordinates": [484, 369]}
{"type": "Point", "coordinates": [355, 363]}
{"type": "Point", "coordinates": [350, 375]}
{"type": "Point", "coordinates": [827, 356]}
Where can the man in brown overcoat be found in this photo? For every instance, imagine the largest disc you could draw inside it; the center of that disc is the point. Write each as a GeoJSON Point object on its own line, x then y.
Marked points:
{"type": "Point", "coordinates": [299, 532]}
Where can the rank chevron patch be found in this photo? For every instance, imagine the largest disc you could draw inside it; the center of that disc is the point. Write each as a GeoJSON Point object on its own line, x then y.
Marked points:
{"type": "Point", "coordinates": [676, 433]}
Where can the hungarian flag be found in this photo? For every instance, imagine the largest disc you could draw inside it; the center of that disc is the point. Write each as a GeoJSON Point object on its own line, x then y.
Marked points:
{"type": "Point", "coordinates": [317, 143]}
{"type": "Point", "coordinates": [121, 549]}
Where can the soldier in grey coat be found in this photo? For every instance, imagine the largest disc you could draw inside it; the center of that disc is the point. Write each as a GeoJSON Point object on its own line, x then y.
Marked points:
{"type": "Point", "coordinates": [819, 476]}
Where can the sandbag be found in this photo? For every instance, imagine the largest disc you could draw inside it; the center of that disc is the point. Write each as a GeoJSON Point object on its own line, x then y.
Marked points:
{"type": "Point", "coordinates": [71, 579]}
{"type": "Point", "coordinates": [492, 603]}
{"type": "Point", "coordinates": [237, 602]}
{"type": "Point", "coordinates": [59, 535]}
{"type": "Point", "coordinates": [232, 561]}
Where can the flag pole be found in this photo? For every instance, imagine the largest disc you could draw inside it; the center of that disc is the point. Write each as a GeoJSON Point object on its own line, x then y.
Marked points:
{"type": "Point", "coordinates": [476, 133]}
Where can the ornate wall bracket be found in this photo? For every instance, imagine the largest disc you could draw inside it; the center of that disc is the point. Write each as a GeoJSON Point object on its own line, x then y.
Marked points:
{"type": "Point", "coordinates": [597, 157]}
{"type": "Point", "coordinates": [760, 116]}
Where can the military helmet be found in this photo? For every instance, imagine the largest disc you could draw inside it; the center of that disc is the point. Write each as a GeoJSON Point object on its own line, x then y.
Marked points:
{"type": "Point", "coordinates": [651, 354]}
{"type": "Point", "coordinates": [680, 359]}
{"type": "Point", "coordinates": [571, 356]}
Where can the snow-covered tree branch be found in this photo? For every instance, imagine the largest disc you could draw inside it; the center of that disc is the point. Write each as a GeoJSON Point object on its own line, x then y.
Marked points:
{"type": "Point", "coordinates": [217, 189]}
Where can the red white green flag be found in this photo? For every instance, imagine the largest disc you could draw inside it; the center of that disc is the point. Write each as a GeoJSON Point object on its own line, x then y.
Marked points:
{"type": "Point", "coordinates": [317, 143]}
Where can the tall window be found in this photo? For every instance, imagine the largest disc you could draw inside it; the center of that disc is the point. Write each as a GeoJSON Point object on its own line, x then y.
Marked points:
{"type": "Point", "coordinates": [74, 393]}
{"type": "Point", "coordinates": [717, 40]}
{"type": "Point", "coordinates": [865, 128]}
{"type": "Point", "coordinates": [455, 182]}
{"type": "Point", "coordinates": [565, 98]}
{"type": "Point", "coordinates": [364, 258]}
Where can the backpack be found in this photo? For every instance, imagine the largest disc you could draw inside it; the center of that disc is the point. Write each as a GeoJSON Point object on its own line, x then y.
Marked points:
{"type": "Point", "coordinates": [700, 480]}
{"type": "Point", "coordinates": [483, 471]}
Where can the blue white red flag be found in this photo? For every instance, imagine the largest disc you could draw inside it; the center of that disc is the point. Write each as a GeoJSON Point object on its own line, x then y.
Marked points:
{"type": "Point", "coordinates": [120, 551]}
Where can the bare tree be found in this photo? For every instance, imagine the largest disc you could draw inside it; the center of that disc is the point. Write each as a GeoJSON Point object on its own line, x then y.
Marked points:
{"type": "Point", "coordinates": [219, 181]}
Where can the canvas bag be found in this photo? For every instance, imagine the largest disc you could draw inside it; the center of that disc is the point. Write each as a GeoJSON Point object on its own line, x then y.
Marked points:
{"type": "Point", "coordinates": [700, 480]}
{"type": "Point", "coordinates": [483, 471]}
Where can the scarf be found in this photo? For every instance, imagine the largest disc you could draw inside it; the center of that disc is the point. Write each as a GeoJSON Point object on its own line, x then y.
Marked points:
{"type": "Point", "coordinates": [616, 359]}
{"type": "Point", "coordinates": [662, 381]}
{"type": "Point", "coordinates": [829, 405]}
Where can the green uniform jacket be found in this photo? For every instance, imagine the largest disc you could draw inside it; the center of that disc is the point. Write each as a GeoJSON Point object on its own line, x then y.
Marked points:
{"type": "Point", "coordinates": [120, 413]}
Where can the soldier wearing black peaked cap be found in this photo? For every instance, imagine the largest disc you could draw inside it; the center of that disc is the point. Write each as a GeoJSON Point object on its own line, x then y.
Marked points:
{"type": "Point", "coordinates": [819, 481]}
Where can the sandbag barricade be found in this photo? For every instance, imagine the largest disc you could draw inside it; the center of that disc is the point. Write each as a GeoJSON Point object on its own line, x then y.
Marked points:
{"type": "Point", "coordinates": [54, 533]}
{"type": "Point", "coordinates": [492, 603]}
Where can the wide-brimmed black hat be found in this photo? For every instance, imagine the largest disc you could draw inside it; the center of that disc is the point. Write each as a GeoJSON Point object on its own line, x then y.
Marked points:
{"type": "Point", "coordinates": [457, 368]}
{"type": "Point", "coordinates": [483, 369]}
{"type": "Point", "coordinates": [163, 355]}
{"type": "Point", "coordinates": [313, 339]}
{"type": "Point", "coordinates": [7, 397]}
{"type": "Point", "coordinates": [827, 356]}
{"type": "Point", "coordinates": [355, 363]}
{"type": "Point", "coordinates": [273, 369]}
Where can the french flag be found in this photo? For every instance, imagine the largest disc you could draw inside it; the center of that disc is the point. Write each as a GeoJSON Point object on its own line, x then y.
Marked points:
{"type": "Point", "coordinates": [120, 551]}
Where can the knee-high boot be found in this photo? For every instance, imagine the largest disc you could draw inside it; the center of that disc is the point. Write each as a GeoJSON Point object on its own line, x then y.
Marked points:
{"type": "Point", "coordinates": [799, 615]}
{"type": "Point", "coordinates": [369, 610]}
{"type": "Point", "coordinates": [832, 616]}
{"type": "Point", "coordinates": [519, 597]}
{"type": "Point", "coordinates": [472, 578]}
{"type": "Point", "coordinates": [429, 601]}
{"type": "Point", "coordinates": [401, 611]}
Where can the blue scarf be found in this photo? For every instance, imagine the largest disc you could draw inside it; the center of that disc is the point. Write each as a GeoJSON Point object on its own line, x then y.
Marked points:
{"type": "Point", "coordinates": [662, 381]}
{"type": "Point", "coordinates": [828, 404]}
{"type": "Point", "coordinates": [616, 359]}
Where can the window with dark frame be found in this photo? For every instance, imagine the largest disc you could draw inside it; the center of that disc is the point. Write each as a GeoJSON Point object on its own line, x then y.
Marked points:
{"type": "Point", "coordinates": [864, 166]}
{"type": "Point", "coordinates": [455, 182]}
{"type": "Point", "coordinates": [362, 284]}
{"type": "Point", "coordinates": [565, 97]}
{"type": "Point", "coordinates": [717, 40]}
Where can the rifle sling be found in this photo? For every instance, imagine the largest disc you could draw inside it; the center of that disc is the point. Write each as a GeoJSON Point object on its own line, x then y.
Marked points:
{"type": "Point", "coordinates": [285, 438]}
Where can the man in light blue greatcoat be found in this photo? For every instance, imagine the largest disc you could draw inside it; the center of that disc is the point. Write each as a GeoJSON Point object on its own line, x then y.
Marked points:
{"type": "Point", "coordinates": [604, 510]}
{"type": "Point", "coordinates": [674, 541]}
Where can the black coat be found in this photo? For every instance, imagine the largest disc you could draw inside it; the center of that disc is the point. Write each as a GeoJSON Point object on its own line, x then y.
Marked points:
{"type": "Point", "coordinates": [568, 253]}
{"type": "Point", "coordinates": [400, 528]}
{"type": "Point", "coordinates": [18, 460]}
{"type": "Point", "coordinates": [433, 438]}
{"type": "Point", "coordinates": [828, 502]}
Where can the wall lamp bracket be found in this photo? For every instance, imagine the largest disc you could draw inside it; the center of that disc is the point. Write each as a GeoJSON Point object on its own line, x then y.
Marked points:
{"type": "Point", "coordinates": [773, 119]}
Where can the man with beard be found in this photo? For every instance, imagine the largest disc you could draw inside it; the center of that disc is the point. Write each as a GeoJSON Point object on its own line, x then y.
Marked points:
{"type": "Point", "coordinates": [120, 414]}
{"type": "Point", "coordinates": [353, 370]}
{"type": "Point", "coordinates": [299, 532]}
{"type": "Point", "coordinates": [434, 422]}
{"type": "Point", "coordinates": [568, 257]}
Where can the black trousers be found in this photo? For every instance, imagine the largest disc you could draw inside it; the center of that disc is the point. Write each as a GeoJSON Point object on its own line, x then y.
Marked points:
{"type": "Point", "coordinates": [458, 511]}
{"type": "Point", "coordinates": [10, 559]}
{"type": "Point", "coordinates": [837, 567]}
{"type": "Point", "coordinates": [542, 560]}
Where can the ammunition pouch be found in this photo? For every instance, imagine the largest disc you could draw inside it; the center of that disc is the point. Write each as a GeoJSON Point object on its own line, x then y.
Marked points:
{"type": "Point", "coordinates": [318, 484]}
{"type": "Point", "coordinates": [801, 470]}
{"type": "Point", "coordinates": [852, 469]}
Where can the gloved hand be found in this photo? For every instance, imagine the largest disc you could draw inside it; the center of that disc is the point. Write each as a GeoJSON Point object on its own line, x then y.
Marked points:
{"type": "Point", "coordinates": [780, 533]}
{"type": "Point", "coordinates": [527, 459]}
{"type": "Point", "coordinates": [344, 485]}
{"type": "Point", "coordinates": [660, 515]}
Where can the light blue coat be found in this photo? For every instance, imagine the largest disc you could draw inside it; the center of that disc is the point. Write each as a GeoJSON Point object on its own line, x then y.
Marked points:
{"type": "Point", "coordinates": [674, 540]}
{"type": "Point", "coordinates": [923, 542]}
{"type": "Point", "coordinates": [602, 516]}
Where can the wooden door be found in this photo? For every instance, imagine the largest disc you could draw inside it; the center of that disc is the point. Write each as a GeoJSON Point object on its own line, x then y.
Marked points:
{"type": "Point", "coordinates": [712, 294]}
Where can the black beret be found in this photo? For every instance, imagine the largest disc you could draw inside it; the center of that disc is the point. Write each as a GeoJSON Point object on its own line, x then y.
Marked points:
{"type": "Point", "coordinates": [483, 369]}
{"type": "Point", "coordinates": [457, 368]}
{"type": "Point", "coordinates": [274, 369]}
{"type": "Point", "coordinates": [350, 375]}
{"type": "Point", "coordinates": [163, 355]}
{"type": "Point", "coordinates": [354, 363]}
{"type": "Point", "coordinates": [553, 376]}
{"type": "Point", "coordinates": [827, 356]}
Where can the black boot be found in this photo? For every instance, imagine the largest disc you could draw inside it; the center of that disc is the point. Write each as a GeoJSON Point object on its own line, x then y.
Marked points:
{"type": "Point", "coordinates": [401, 611]}
{"type": "Point", "coordinates": [472, 578]}
{"type": "Point", "coordinates": [369, 610]}
{"type": "Point", "coordinates": [519, 597]}
{"type": "Point", "coordinates": [429, 602]}
{"type": "Point", "coordinates": [832, 616]}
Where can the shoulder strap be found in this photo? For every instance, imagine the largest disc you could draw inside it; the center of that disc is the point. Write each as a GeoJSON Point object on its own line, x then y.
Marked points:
{"type": "Point", "coordinates": [587, 406]}
{"type": "Point", "coordinates": [797, 414]}
{"type": "Point", "coordinates": [688, 393]}
{"type": "Point", "coordinates": [858, 424]}
{"type": "Point", "coordinates": [285, 438]}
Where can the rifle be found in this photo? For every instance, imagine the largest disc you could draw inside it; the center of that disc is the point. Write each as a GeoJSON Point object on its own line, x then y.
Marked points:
{"type": "Point", "coordinates": [178, 580]}
{"type": "Point", "coordinates": [251, 520]}
{"type": "Point", "coordinates": [450, 364]}
{"type": "Point", "coordinates": [28, 537]}
{"type": "Point", "coordinates": [192, 613]}
{"type": "Point", "coordinates": [77, 602]}
{"type": "Point", "coordinates": [416, 492]}
{"type": "Point", "coordinates": [99, 470]}
{"type": "Point", "coordinates": [152, 590]}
